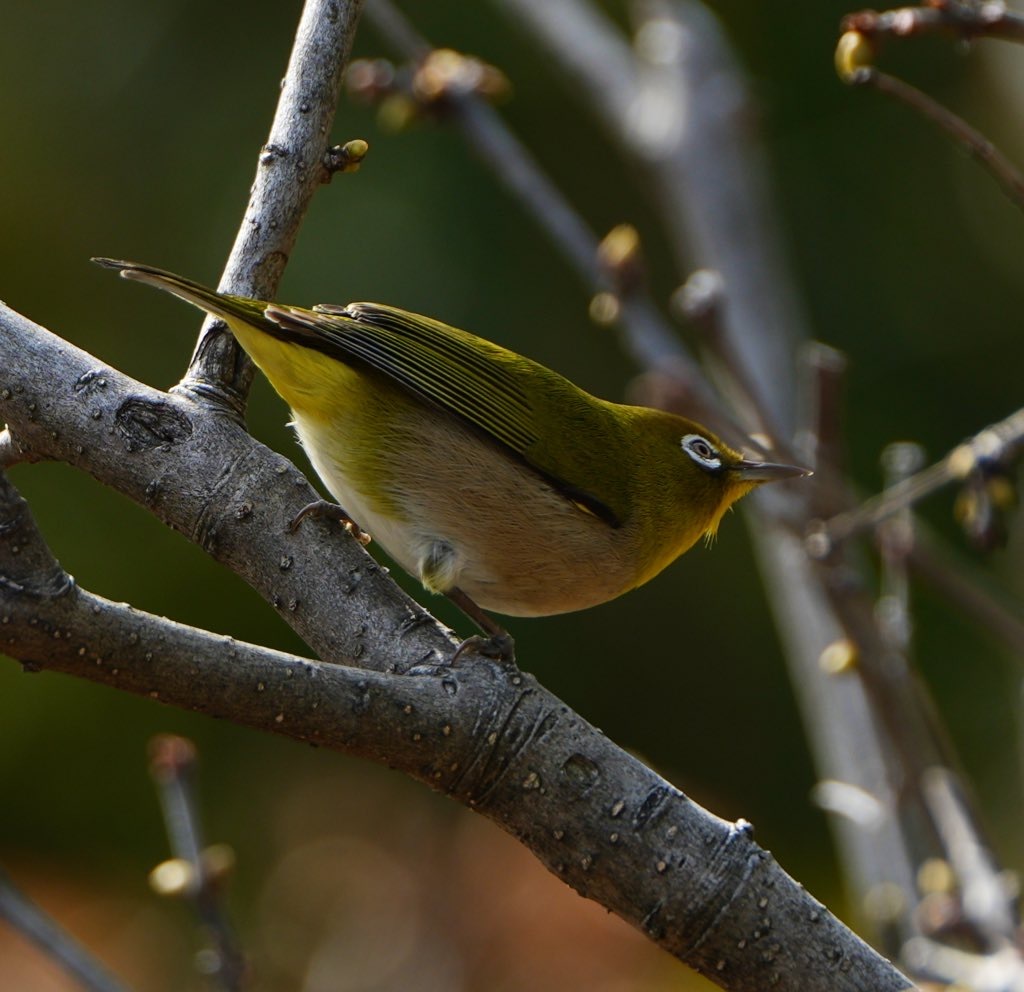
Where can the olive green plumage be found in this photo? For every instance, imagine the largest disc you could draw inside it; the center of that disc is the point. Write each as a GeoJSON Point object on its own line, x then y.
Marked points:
{"type": "Point", "coordinates": [478, 469]}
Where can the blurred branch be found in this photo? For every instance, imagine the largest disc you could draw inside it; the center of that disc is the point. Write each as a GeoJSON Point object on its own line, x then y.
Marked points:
{"type": "Point", "coordinates": [968, 138]}
{"type": "Point", "coordinates": [895, 538]}
{"type": "Point", "coordinates": [961, 19]}
{"type": "Point", "coordinates": [196, 871]}
{"type": "Point", "coordinates": [292, 165]}
{"type": "Point", "coordinates": [675, 105]}
{"type": "Point", "coordinates": [35, 925]}
{"type": "Point", "coordinates": [992, 446]}
{"type": "Point", "coordinates": [485, 734]}
{"type": "Point", "coordinates": [646, 333]}
{"type": "Point", "coordinates": [701, 299]}
{"type": "Point", "coordinates": [672, 106]}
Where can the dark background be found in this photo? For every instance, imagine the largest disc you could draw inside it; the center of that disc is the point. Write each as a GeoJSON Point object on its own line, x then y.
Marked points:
{"type": "Point", "coordinates": [132, 130]}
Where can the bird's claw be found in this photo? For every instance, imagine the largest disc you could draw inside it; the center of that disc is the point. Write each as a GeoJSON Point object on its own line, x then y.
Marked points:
{"type": "Point", "coordinates": [331, 511]}
{"type": "Point", "coordinates": [499, 647]}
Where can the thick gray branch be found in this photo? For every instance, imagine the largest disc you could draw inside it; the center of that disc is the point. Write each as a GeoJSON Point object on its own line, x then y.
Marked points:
{"type": "Point", "coordinates": [493, 739]}
{"type": "Point", "coordinates": [290, 170]}
{"type": "Point", "coordinates": [204, 476]}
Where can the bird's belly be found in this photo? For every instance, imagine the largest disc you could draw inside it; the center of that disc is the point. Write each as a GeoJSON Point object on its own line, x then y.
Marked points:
{"type": "Point", "coordinates": [455, 511]}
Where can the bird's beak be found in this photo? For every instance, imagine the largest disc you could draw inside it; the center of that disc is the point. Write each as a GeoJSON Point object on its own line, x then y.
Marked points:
{"type": "Point", "coordinates": [751, 471]}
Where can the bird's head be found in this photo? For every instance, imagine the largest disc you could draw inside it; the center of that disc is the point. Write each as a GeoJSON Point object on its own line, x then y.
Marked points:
{"type": "Point", "coordinates": [690, 477]}
{"type": "Point", "coordinates": [711, 476]}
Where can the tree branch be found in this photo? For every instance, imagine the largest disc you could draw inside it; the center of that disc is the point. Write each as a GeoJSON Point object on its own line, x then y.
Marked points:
{"type": "Point", "coordinates": [208, 479]}
{"type": "Point", "coordinates": [291, 168]}
{"type": "Point", "coordinates": [28, 919]}
{"type": "Point", "coordinates": [490, 737]}
{"type": "Point", "coordinates": [646, 333]}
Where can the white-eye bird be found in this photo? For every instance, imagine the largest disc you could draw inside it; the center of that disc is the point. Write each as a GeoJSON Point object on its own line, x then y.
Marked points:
{"type": "Point", "coordinates": [491, 478]}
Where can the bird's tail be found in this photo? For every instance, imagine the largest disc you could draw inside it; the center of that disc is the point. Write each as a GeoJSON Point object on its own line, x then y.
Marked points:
{"type": "Point", "coordinates": [223, 305]}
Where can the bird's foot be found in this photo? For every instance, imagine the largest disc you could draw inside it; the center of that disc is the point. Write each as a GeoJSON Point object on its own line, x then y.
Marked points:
{"type": "Point", "coordinates": [499, 647]}
{"type": "Point", "coordinates": [331, 511]}
{"type": "Point", "coordinates": [496, 642]}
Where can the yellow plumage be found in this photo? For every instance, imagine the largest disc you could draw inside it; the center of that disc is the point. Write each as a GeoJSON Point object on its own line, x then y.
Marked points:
{"type": "Point", "coordinates": [483, 473]}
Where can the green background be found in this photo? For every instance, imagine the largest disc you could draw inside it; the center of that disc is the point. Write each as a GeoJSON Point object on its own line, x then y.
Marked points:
{"type": "Point", "coordinates": [132, 130]}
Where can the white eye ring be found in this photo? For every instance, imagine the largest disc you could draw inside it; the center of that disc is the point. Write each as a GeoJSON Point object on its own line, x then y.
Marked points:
{"type": "Point", "coordinates": [702, 451]}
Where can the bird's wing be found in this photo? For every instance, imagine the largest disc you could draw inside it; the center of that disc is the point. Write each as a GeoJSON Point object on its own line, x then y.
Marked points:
{"type": "Point", "coordinates": [481, 383]}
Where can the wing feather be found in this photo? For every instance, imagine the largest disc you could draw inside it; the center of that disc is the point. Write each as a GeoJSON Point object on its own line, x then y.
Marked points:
{"type": "Point", "coordinates": [469, 377]}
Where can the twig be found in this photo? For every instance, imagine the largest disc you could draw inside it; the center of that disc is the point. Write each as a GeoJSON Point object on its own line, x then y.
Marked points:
{"type": "Point", "coordinates": [172, 767]}
{"type": "Point", "coordinates": [35, 925]}
{"type": "Point", "coordinates": [992, 445]}
{"type": "Point", "coordinates": [290, 170]}
{"type": "Point", "coordinates": [648, 336]}
{"type": "Point", "coordinates": [896, 539]}
{"type": "Point", "coordinates": [964, 20]}
{"type": "Point", "coordinates": [968, 138]}
{"type": "Point", "coordinates": [702, 301]}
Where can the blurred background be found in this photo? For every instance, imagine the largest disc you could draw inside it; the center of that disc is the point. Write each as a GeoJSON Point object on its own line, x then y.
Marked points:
{"type": "Point", "coordinates": [132, 130]}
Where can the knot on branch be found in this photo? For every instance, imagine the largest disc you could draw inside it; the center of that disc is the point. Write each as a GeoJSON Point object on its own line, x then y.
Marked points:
{"type": "Point", "coordinates": [145, 424]}
{"type": "Point", "coordinates": [344, 158]}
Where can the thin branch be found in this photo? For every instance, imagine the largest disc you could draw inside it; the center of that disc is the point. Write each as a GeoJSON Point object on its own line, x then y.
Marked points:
{"type": "Point", "coordinates": [896, 537]}
{"type": "Point", "coordinates": [702, 300]}
{"type": "Point", "coordinates": [650, 339]}
{"type": "Point", "coordinates": [967, 138]}
{"type": "Point", "coordinates": [955, 18]}
{"type": "Point", "coordinates": [291, 168]}
{"type": "Point", "coordinates": [39, 928]}
{"type": "Point", "coordinates": [999, 442]}
{"type": "Point", "coordinates": [172, 767]}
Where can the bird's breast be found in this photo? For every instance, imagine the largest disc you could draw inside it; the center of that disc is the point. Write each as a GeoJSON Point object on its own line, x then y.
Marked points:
{"type": "Point", "coordinates": [454, 509]}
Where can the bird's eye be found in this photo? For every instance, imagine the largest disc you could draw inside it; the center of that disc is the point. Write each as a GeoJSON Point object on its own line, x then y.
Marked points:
{"type": "Point", "coordinates": [702, 451]}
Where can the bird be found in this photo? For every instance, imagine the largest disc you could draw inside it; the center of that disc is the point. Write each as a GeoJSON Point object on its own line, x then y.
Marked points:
{"type": "Point", "coordinates": [486, 475]}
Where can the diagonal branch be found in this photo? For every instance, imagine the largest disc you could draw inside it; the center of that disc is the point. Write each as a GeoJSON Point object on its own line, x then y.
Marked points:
{"type": "Point", "coordinates": [493, 739]}
{"type": "Point", "coordinates": [28, 919]}
{"type": "Point", "coordinates": [291, 168]}
{"type": "Point", "coordinates": [647, 335]}
{"type": "Point", "coordinates": [208, 479]}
